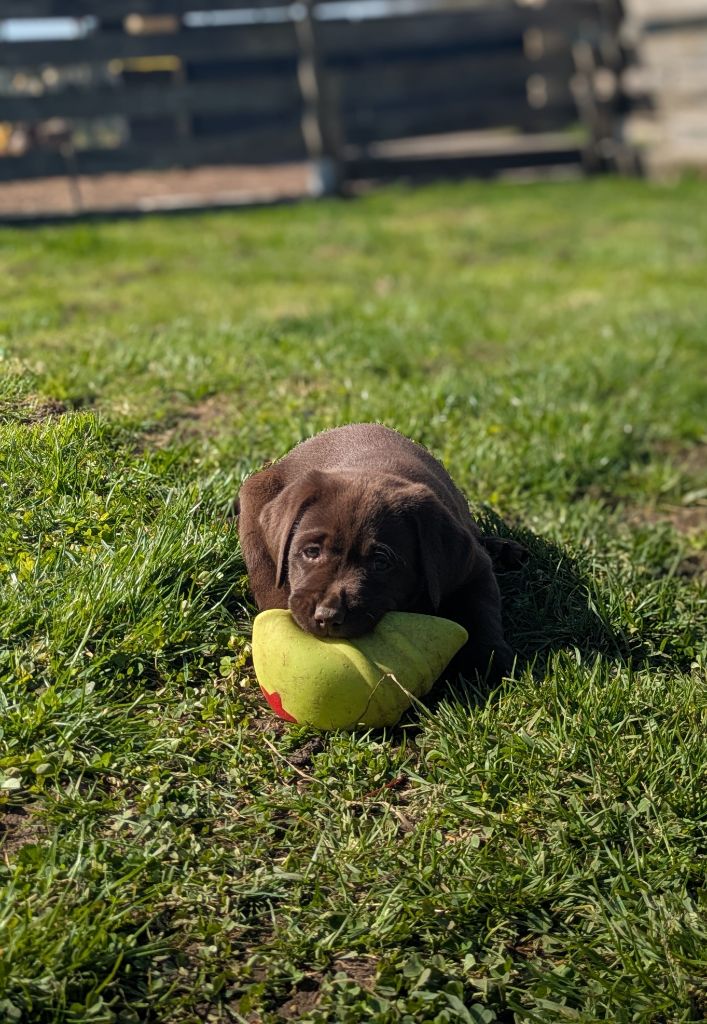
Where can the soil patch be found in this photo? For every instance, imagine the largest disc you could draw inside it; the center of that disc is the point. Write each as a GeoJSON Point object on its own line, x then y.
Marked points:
{"type": "Point", "coordinates": [303, 756]}
{"type": "Point", "coordinates": [361, 969]}
{"type": "Point", "coordinates": [31, 410]}
{"type": "Point", "coordinates": [38, 410]}
{"type": "Point", "coordinates": [196, 421]}
{"type": "Point", "coordinates": [687, 519]}
{"type": "Point", "coordinates": [302, 1003]}
{"type": "Point", "coordinates": [690, 460]}
{"type": "Point", "coordinates": [19, 827]}
{"type": "Point", "coordinates": [694, 566]}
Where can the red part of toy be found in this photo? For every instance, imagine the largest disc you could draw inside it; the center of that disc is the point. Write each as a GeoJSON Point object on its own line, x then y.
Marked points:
{"type": "Point", "coordinates": [275, 702]}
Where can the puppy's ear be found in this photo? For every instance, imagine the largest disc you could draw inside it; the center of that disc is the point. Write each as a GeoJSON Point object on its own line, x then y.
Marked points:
{"type": "Point", "coordinates": [280, 517]}
{"type": "Point", "coordinates": [446, 546]}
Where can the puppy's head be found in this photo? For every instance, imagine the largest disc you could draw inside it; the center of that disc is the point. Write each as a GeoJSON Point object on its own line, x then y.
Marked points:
{"type": "Point", "coordinates": [353, 548]}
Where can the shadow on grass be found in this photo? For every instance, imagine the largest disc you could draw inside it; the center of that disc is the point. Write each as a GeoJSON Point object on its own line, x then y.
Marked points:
{"type": "Point", "coordinates": [551, 604]}
{"type": "Point", "coordinates": [548, 606]}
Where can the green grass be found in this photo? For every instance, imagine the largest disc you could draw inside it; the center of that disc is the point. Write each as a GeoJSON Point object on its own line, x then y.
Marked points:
{"type": "Point", "coordinates": [538, 854]}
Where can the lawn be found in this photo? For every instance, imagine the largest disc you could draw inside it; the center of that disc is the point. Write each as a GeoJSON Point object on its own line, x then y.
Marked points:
{"type": "Point", "coordinates": [173, 853]}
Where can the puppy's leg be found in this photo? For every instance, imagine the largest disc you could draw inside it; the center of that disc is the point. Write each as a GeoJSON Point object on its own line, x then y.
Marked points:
{"type": "Point", "coordinates": [506, 554]}
{"type": "Point", "coordinates": [477, 606]}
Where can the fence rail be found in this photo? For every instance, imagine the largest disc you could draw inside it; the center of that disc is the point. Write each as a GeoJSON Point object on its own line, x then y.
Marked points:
{"type": "Point", "coordinates": [142, 86]}
{"type": "Point", "coordinates": [112, 9]}
{"type": "Point", "coordinates": [245, 43]}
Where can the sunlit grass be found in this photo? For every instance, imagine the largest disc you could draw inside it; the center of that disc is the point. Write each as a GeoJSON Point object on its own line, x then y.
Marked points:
{"type": "Point", "coordinates": [537, 854]}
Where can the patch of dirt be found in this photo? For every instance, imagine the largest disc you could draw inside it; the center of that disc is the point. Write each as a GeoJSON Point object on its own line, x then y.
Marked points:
{"type": "Point", "coordinates": [43, 409]}
{"type": "Point", "coordinates": [32, 410]}
{"type": "Point", "coordinates": [302, 757]}
{"type": "Point", "coordinates": [687, 519]}
{"type": "Point", "coordinates": [694, 566]}
{"type": "Point", "coordinates": [19, 827]}
{"type": "Point", "coordinates": [691, 460]}
{"type": "Point", "coordinates": [196, 421]}
{"type": "Point", "coordinates": [361, 969]}
{"type": "Point", "coordinates": [303, 1001]}
{"type": "Point", "coordinates": [270, 724]}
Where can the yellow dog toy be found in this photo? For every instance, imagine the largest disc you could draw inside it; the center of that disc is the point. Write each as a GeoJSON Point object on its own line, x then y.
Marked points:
{"type": "Point", "coordinates": [340, 684]}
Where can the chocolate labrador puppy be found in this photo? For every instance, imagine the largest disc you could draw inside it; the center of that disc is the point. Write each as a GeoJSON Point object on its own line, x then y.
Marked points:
{"type": "Point", "coordinates": [359, 521]}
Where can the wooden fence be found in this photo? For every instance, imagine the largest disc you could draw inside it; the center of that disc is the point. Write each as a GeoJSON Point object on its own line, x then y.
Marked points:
{"type": "Point", "coordinates": [453, 86]}
{"type": "Point", "coordinates": [670, 42]}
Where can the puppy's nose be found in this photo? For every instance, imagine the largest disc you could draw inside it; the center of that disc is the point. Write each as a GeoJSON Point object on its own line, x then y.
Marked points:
{"type": "Point", "coordinates": [329, 615]}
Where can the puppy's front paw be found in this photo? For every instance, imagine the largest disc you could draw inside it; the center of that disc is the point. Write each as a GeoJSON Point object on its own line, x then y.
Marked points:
{"type": "Point", "coordinates": [489, 664]}
{"type": "Point", "coordinates": [506, 554]}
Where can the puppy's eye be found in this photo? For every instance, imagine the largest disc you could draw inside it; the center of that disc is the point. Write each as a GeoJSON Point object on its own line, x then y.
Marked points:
{"type": "Point", "coordinates": [312, 552]}
{"type": "Point", "coordinates": [381, 560]}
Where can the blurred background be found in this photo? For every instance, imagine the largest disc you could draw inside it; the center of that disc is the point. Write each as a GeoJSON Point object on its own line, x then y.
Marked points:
{"type": "Point", "coordinates": [138, 105]}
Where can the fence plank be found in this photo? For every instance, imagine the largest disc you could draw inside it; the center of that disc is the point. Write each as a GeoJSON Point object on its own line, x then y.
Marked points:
{"type": "Point", "coordinates": [672, 85]}
{"type": "Point", "coordinates": [274, 144]}
{"type": "Point", "coordinates": [426, 78]}
{"type": "Point", "coordinates": [385, 39]}
{"type": "Point", "coordinates": [671, 49]}
{"type": "Point", "coordinates": [121, 8]}
{"type": "Point", "coordinates": [247, 42]}
{"type": "Point", "coordinates": [505, 157]}
{"type": "Point", "coordinates": [258, 95]}
{"type": "Point", "coordinates": [478, 29]}
{"type": "Point", "coordinates": [365, 126]}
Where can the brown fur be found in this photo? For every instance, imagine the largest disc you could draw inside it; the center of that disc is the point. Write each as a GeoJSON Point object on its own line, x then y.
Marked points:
{"type": "Point", "coordinates": [359, 521]}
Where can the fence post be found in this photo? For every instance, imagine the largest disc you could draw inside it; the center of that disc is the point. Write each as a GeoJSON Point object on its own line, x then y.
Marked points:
{"type": "Point", "coordinates": [321, 125]}
{"type": "Point", "coordinates": [597, 88]}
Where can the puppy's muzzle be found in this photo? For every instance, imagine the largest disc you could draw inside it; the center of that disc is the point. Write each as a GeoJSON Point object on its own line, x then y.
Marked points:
{"type": "Point", "coordinates": [329, 614]}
